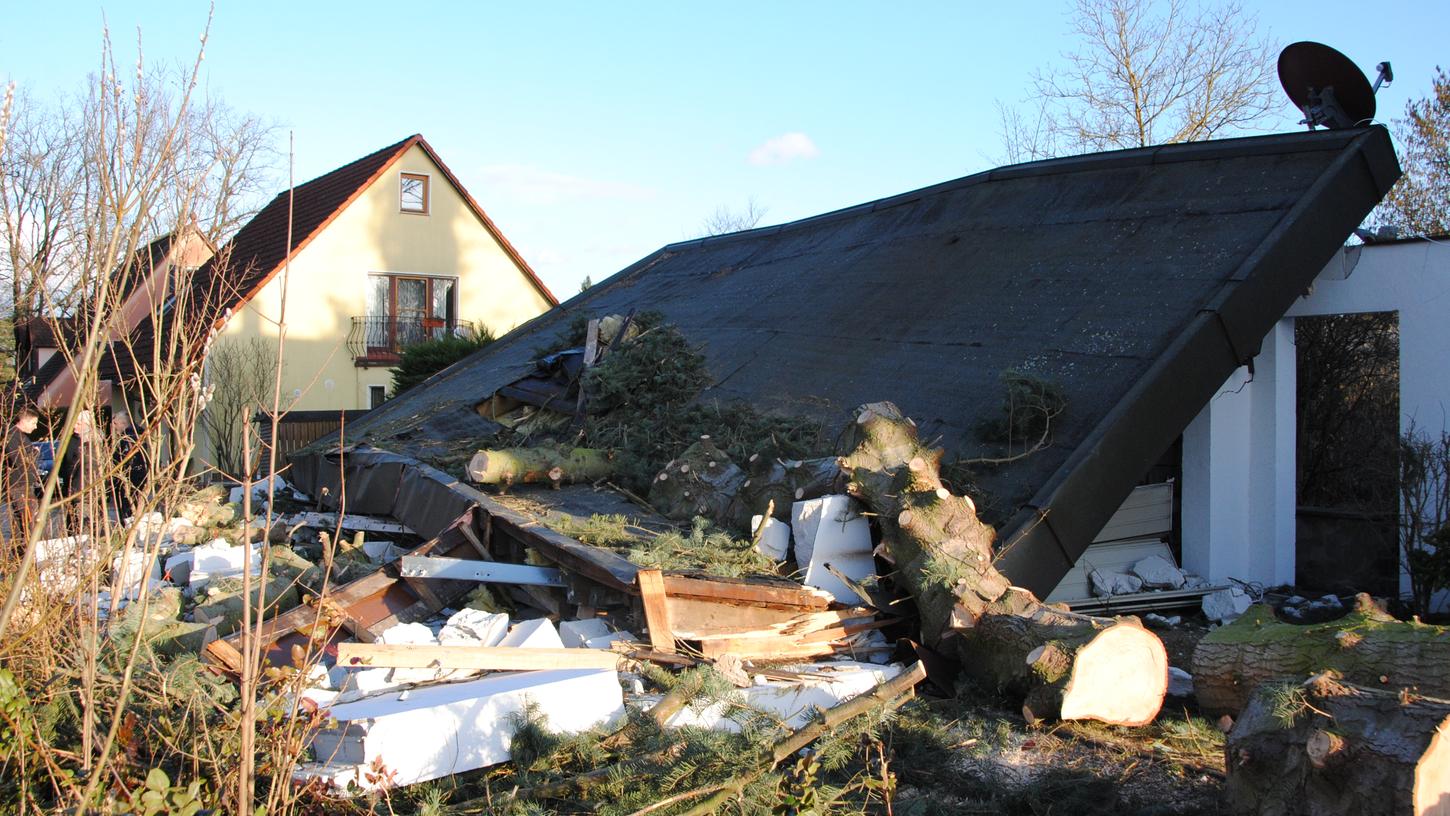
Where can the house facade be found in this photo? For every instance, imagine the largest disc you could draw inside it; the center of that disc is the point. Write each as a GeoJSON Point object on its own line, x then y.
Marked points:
{"type": "Point", "coordinates": [340, 274]}
{"type": "Point", "coordinates": [407, 255]}
{"type": "Point", "coordinates": [1240, 511]}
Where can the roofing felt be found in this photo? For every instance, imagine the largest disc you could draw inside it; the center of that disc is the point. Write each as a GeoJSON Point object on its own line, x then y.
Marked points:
{"type": "Point", "coordinates": [1136, 281]}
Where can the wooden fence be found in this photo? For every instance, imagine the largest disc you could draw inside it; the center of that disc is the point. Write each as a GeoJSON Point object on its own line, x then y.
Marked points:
{"type": "Point", "coordinates": [298, 429]}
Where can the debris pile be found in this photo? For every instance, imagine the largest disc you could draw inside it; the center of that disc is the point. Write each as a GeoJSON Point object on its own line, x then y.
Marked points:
{"type": "Point", "coordinates": [435, 630]}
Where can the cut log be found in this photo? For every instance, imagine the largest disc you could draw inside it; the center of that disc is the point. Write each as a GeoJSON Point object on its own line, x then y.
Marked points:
{"type": "Point", "coordinates": [703, 481]}
{"type": "Point", "coordinates": [1062, 664]}
{"type": "Point", "coordinates": [1367, 646]}
{"type": "Point", "coordinates": [1328, 747]}
{"type": "Point", "coordinates": [555, 465]}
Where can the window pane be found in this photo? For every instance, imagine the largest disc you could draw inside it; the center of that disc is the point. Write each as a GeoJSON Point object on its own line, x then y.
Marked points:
{"type": "Point", "coordinates": [442, 299]}
{"type": "Point", "coordinates": [411, 295]}
{"type": "Point", "coordinates": [414, 192]}
{"type": "Point", "coordinates": [377, 296]}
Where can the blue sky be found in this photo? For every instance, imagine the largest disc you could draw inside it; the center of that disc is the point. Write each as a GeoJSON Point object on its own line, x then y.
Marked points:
{"type": "Point", "coordinates": [593, 133]}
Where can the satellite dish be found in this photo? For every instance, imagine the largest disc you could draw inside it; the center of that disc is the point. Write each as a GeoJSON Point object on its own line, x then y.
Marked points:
{"type": "Point", "coordinates": [1327, 87]}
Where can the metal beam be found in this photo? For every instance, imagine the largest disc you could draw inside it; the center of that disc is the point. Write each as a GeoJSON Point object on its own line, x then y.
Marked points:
{"type": "Point", "coordinates": [493, 572]}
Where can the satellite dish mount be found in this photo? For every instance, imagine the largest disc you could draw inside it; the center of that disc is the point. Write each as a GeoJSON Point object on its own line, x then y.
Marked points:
{"type": "Point", "coordinates": [1327, 87]}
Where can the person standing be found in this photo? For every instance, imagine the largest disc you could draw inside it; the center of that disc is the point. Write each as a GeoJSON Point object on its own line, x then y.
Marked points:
{"type": "Point", "coordinates": [22, 477]}
{"type": "Point", "coordinates": [82, 466]}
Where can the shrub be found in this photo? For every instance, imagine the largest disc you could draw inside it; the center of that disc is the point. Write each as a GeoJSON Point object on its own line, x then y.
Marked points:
{"type": "Point", "coordinates": [423, 360]}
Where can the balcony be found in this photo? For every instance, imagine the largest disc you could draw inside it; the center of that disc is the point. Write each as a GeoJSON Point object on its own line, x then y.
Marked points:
{"type": "Point", "coordinates": [379, 341]}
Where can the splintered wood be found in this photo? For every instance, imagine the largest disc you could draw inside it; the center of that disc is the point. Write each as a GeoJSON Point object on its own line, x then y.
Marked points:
{"type": "Point", "coordinates": [758, 620]}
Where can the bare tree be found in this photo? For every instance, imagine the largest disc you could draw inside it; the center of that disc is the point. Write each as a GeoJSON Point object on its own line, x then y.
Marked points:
{"type": "Point", "coordinates": [725, 220]}
{"type": "Point", "coordinates": [1419, 203]}
{"type": "Point", "coordinates": [1146, 72]}
{"type": "Point", "coordinates": [240, 373]}
{"type": "Point", "coordinates": [215, 166]}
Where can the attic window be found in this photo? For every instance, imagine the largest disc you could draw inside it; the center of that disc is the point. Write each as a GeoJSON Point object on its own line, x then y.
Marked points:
{"type": "Point", "coordinates": [413, 193]}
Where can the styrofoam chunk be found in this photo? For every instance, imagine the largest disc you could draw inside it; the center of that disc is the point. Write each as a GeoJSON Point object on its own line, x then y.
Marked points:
{"type": "Point", "coordinates": [1158, 572]}
{"type": "Point", "coordinates": [807, 517]}
{"type": "Point", "coordinates": [794, 703]}
{"type": "Point", "coordinates": [1226, 605]}
{"type": "Point", "coordinates": [829, 531]}
{"type": "Point", "coordinates": [436, 731]}
{"type": "Point", "coordinates": [475, 627]}
{"type": "Point", "coordinates": [576, 633]}
{"type": "Point", "coordinates": [857, 566]}
{"type": "Point", "coordinates": [407, 633]}
{"type": "Point", "coordinates": [135, 572]}
{"type": "Point", "coordinates": [1180, 682]}
{"type": "Point", "coordinates": [538, 633]}
{"type": "Point", "coordinates": [219, 559]}
{"type": "Point", "coordinates": [382, 552]}
{"type": "Point", "coordinates": [774, 540]}
{"type": "Point", "coordinates": [608, 641]}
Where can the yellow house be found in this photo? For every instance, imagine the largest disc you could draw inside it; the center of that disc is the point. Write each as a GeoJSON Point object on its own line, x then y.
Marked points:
{"type": "Point", "coordinates": [356, 264]}
{"type": "Point", "coordinates": [385, 251]}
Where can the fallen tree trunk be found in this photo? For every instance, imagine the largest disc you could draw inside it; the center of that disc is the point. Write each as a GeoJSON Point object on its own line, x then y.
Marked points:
{"type": "Point", "coordinates": [509, 466]}
{"type": "Point", "coordinates": [1325, 747]}
{"type": "Point", "coordinates": [1367, 646]}
{"type": "Point", "coordinates": [1063, 664]}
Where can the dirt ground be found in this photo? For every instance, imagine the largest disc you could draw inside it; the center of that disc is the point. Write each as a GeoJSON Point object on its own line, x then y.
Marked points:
{"type": "Point", "coordinates": [960, 756]}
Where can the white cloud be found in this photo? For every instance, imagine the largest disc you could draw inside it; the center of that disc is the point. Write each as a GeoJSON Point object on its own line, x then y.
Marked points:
{"type": "Point", "coordinates": [538, 186]}
{"type": "Point", "coordinates": [784, 148]}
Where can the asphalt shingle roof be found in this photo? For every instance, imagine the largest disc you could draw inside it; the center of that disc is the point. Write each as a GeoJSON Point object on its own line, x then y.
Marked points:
{"type": "Point", "coordinates": [1136, 281]}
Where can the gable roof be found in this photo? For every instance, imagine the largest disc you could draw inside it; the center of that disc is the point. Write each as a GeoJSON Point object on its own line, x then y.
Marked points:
{"type": "Point", "coordinates": [1136, 281]}
{"type": "Point", "coordinates": [261, 248]}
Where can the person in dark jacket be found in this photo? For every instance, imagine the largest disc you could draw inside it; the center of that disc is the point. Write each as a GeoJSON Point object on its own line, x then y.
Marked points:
{"type": "Point", "coordinates": [22, 477]}
{"type": "Point", "coordinates": [83, 465]}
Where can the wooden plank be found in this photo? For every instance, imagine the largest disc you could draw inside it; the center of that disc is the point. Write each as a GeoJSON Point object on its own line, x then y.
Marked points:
{"type": "Point", "coordinates": [694, 618]}
{"type": "Point", "coordinates": [493, 572]}
{"type": "Point", "coordinates": [223, 654]}
{"type": "Point", "coordinates": [745, 591]}
{"type": "Point", "coordinates": [485, 658]}
{"type": "Point", "coordinates": [656, 611]}
{"type": "Point", "coordinates": [467, 530]}
{"type": "Point", "coordinates": [764, 649]}
{"type": "Point", "coordinates": [305, 615]}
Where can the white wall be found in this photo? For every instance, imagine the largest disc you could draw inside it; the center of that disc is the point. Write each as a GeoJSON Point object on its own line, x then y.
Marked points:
{"type": "Point", "coordinates": [1238, 472]}
{"type": "Point", "coordinates": [1238, 454]}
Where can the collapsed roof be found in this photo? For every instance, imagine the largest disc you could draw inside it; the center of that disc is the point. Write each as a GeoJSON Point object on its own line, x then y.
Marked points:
{"type": "Point", "coordinates": [1136, 281]}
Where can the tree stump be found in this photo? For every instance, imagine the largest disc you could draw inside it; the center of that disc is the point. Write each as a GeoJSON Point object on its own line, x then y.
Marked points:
{"type": "Point", "coordinates": [556, 465]}
{"type": "Point", "coordinates": [1367, 646]}
{"type": "Point", "coordinates": [1326, 747]}
{"type": "Point", "coordinates": [1063, 664]}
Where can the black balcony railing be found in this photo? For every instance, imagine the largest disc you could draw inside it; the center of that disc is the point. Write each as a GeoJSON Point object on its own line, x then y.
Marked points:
{"type": "Point", "coordinates": [382, 339]}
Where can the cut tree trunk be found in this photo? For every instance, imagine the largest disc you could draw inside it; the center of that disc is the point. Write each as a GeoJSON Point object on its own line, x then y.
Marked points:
{"type": "Point", "coordinates": [509, 466]}
{"type": "Point", "coordinates": [1064, 665]}
{"type": "Point", "coordinates": [703, 481]}
{"type": "Point", "coordinates": [1367, 646]}
{"type": "Point", "coordinates": [1348, 749]}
